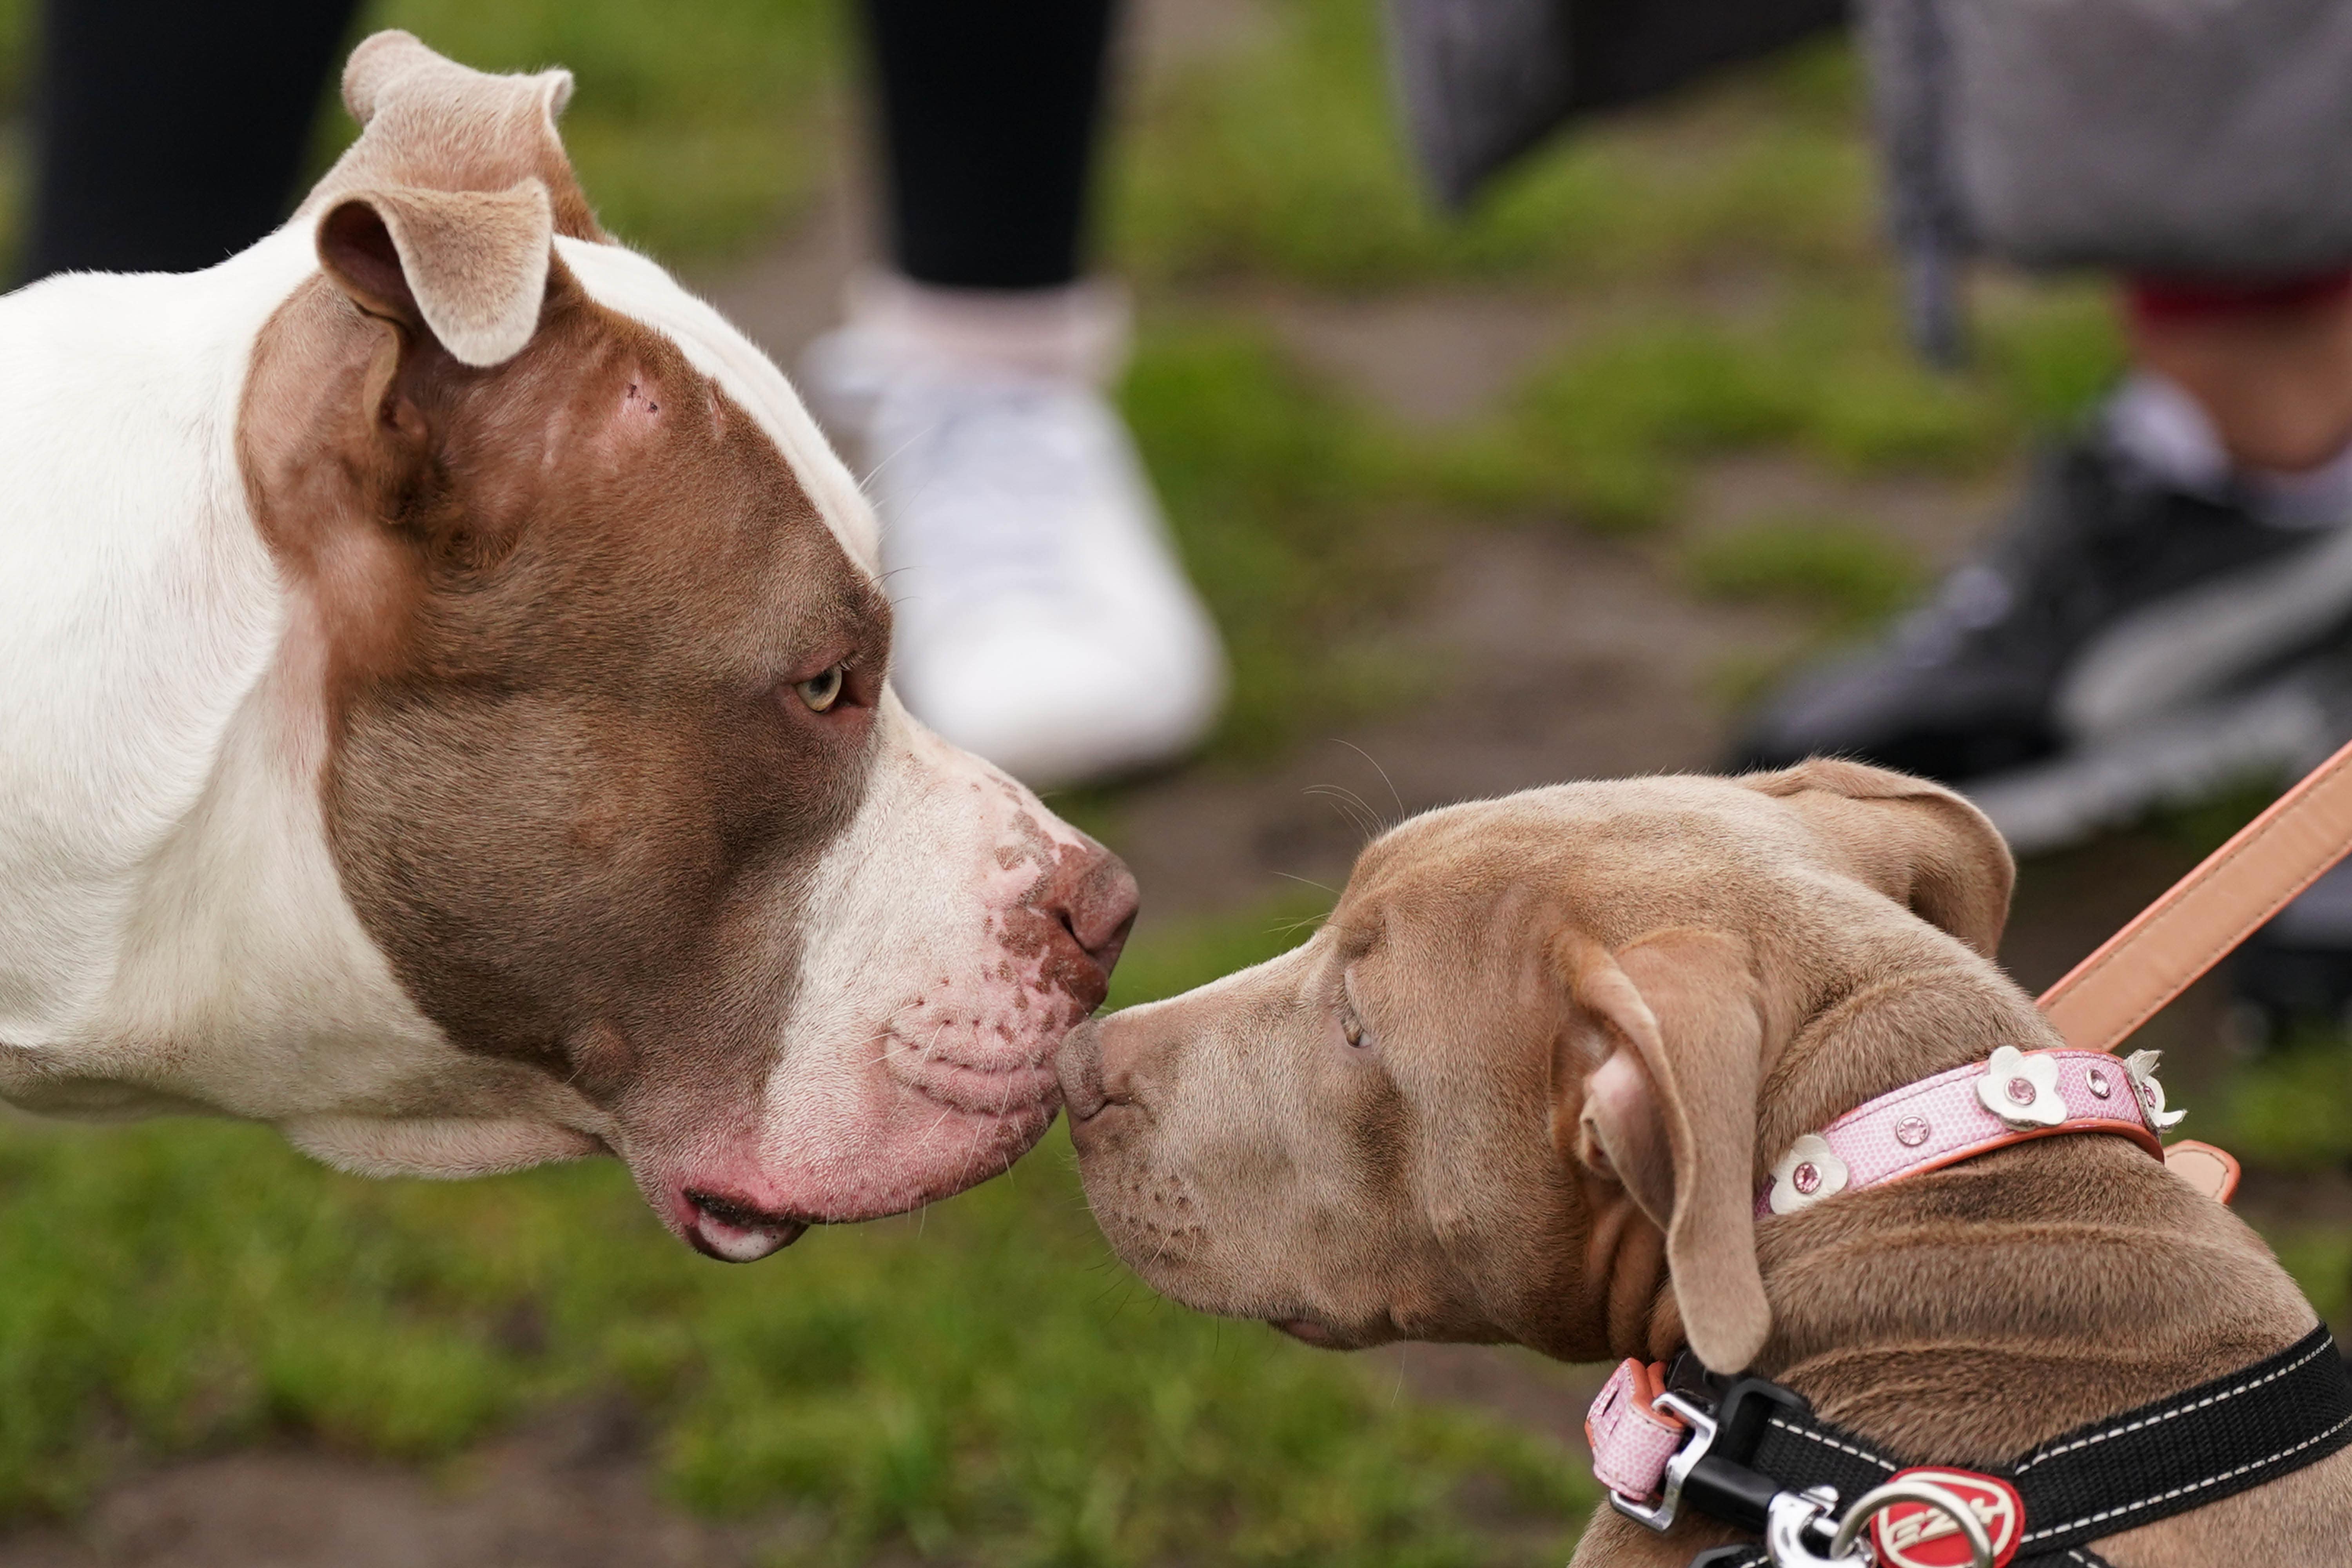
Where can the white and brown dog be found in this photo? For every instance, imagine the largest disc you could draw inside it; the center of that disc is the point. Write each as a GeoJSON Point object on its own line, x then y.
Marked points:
{"type": "Point", "coordinates": [442, 713]}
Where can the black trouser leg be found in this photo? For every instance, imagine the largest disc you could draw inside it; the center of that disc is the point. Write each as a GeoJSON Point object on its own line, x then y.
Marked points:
{"type": "Point", "coordinates": [989, 110]}
{"type": "Point", "coordinates": [169, 133]}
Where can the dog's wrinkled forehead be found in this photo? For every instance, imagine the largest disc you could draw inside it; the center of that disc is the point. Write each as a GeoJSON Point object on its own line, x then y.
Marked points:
{"type": "Point", "coordinates": [431, 125]}
{"type": "Point", "coordinates": [623, 281]}
{"type": "Point", "coordinates": [1626, 857]}
{"type": "Point", "coordinates": [1610, 840]}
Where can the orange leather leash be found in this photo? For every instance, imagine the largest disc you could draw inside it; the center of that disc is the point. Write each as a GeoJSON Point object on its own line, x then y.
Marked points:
{"type": "Point", "coordinates": [2228, 896]}
{"type": "Point", "coordinates": [2196, 924]}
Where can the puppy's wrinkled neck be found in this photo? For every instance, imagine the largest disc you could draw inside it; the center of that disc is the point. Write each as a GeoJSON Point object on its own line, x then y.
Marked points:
{"type": "Point", "coordinates": [1629, 1307]}
{"type": "Point", "coordinates": [1976, 1310]}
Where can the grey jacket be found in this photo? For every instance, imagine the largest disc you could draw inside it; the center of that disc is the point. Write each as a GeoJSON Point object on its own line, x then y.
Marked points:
{"type": "Point", "coordinates": [2202, 137]}
{"type": "Point", "coordinates": [2209, 137]}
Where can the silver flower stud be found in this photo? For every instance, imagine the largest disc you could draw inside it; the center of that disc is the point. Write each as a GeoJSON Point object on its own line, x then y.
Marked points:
{"type": "Point", "coordinates": [2021, 1090]}
{"type": "Point", "coordinates": [2140, 1066]}
{"type": "Point", "coordinates": [1810, 1171]}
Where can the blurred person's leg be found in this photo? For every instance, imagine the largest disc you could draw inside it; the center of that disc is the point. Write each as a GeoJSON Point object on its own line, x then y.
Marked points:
{"type": "Point", "coordinates": [2275, 385]}
{"type": "Point", "coordinates": [2217, 465]}
{"type": "Point", "coordinates": [1043, 618]}
{"type": "Point", "coordinates": [169, 135]}
{"type": "Point", "coordinates": [2187, 551]}
{"type": "Point", "coordinates": [2172, 608]}
{"type": "Point", "coordinates": [2269, 365]}
{"type": "Point", "coordinates": [989, 113]}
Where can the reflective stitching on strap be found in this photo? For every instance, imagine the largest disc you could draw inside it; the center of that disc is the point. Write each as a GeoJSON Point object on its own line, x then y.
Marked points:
{"type": "Point", "coordinates": [2324, 1347]}
{"type": "Point", "coordinates": [2089, 1519]}
{"type": "Point", "coordinates": [1861, 1454]}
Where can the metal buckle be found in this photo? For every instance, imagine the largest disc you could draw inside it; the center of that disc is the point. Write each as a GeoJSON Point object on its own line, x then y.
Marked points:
{"type": "Point", "coordinates": [1661, 1515]}
{"type": "Point", "coordinates": [1795, 1516]}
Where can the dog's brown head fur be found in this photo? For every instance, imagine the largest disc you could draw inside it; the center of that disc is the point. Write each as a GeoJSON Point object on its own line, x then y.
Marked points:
{"type": "Point", "coordinates": [1512, 1086]}
{"type": "Point", "coordinates": [586, 651]}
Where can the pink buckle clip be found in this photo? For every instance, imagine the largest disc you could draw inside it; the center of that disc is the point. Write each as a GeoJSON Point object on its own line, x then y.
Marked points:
{"type": "Point", "coordinates": [1645, 1442]}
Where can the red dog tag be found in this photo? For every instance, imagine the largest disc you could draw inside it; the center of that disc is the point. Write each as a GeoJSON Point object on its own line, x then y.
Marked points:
{"type": "Point", "coordinates": [1914, 1535]}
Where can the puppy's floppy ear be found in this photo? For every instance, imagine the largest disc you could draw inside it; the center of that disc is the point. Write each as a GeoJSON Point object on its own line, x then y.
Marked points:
{"type": "Point", "coordinates": [1916, 842]}
{"type": "Point", "coordinates": [468, 267]}
{"type": "Point", "coordinates": [1670, 1112]}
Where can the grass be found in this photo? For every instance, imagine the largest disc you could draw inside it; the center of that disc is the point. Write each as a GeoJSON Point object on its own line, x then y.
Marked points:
{"type": "Point", "coordinates": [980, 1382]}
{"type": "Point", "coordinates": [1850, 576]}
{"type": "Point", "coordinates": [1283, 496]}
{"type": "Point", "coordinates": [698, 128]}
{"type": "Point", "coordinates": [2292, 1109]}
{"type": "Point", "coordinates": [1284, 159]}
{"type": "Point", "coordinates": [695, 133]}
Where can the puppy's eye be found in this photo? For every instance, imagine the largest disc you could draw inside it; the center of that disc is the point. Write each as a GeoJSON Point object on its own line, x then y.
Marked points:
{"type": "Point", "coordinates": [820, 692]}
{"type": "Point", "coordinates": [1351, 1028]}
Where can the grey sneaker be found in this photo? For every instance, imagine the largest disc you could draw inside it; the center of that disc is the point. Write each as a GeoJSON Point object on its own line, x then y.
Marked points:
{"type": "Point", "coordinates": [2114, 601]}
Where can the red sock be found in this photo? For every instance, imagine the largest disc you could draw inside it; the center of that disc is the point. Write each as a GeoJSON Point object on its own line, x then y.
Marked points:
{"type": "Point", "coordinates": [2175, 298]}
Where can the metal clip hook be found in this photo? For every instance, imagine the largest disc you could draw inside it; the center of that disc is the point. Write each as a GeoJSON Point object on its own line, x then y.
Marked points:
{"type": "Point", "coordinates": [1796, 1515]}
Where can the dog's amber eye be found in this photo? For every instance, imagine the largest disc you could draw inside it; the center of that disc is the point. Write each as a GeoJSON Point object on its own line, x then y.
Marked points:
{"type": "Point", "coordinates": [1352, 1028]}
{"type": "Point", "coordinates": [820, 692]}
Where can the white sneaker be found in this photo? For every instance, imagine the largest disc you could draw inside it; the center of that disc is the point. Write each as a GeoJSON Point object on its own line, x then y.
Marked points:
{"type": "Point", "coordinates": [1042, 619]}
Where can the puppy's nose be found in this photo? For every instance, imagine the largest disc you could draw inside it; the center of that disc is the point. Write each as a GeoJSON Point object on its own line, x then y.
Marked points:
{"type": "Point", "coordinates": [1114, 1060]}
{"type": "Point", "coordinates": [1092, 897]}
{"type": "Point", "coordinates": [1079, 1066]}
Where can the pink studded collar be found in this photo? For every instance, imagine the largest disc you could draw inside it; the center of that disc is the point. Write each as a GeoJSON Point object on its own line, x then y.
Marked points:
{"type": "Point", "coordinates": [1971, 1110]}
{"type": "Point", "coordinates": [1651, 1443]}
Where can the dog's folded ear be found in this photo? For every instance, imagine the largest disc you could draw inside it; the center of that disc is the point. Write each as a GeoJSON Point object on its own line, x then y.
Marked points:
{"type": "Point", "coordinates": [468, 267]}
{"type": "Point", "coordinates": [428, 120]}
{"type": "Point", "coordinates": [1918, 843]}
{"type": "Point", "coordinates": [1674, 1024]}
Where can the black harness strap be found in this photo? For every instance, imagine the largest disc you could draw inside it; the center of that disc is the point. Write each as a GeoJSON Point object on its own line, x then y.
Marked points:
{"type": "Point", "coordinates": [2169, 1458]}
{"type": "Point", "coordinates": [2223, 1437]}
{"type": "Point", "coordinates": [1753, 1557]}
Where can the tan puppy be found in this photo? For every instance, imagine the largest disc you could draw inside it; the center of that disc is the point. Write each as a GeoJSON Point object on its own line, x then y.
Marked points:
{"type": "Point", "coordinates": [1523, 1083]}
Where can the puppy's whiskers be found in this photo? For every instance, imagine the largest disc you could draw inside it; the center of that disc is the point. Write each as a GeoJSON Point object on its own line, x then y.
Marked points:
{"type": "Point", "coordinates": [1352, 808]}
{"type": "Point", "coordinates": [1402, 812]}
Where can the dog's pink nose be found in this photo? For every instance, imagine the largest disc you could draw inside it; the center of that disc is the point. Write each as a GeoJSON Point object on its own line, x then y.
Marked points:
{"type": "Point", "coordinates": [1092, 897]}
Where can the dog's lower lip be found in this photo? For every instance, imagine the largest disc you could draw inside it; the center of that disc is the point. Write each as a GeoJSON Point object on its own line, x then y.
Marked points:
{"type": "Point", "coordinates": [734, 1231]}
{"type": "Point", "coordinates": [731, 1244]}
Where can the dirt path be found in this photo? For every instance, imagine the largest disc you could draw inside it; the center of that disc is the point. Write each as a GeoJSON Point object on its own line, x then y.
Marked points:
{"type": "Point", "coordinates": [571, 1489]}
{"type": "Point", "coordinates": [1559, 656]}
